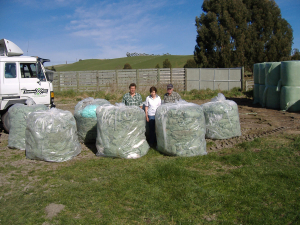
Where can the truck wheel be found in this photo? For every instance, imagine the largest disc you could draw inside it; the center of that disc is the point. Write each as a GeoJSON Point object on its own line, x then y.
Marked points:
{"type": "Point", "coordinates": [5, 121]}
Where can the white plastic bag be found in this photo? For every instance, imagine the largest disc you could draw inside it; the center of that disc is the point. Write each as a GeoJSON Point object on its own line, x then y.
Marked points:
{"type": "Point", "coordinates": [121, 131]}
{"type": "Point", "coordinates": [51, 136]}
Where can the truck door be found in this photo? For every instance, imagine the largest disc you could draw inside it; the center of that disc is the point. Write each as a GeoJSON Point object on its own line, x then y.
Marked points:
{"type": "Point", "coordinates": [10, 87]}
{"type": "Point", "coordinates": [33, 83]}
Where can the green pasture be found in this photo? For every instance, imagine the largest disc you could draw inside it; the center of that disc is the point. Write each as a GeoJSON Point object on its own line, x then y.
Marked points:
{"type": "Point", "coordinates": [136, 62]}
{"type": "Point", "coordinates": [254, 183]}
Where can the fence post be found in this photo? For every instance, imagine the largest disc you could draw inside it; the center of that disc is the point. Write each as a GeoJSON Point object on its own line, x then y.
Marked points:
{"type": "Point", "coordinates": [185, 79]}
{"type": "Point", "coordinates": [137, 77]}
{"type": "Point", "coordinates": [77, 79]}
{"type": "Point", "coordinates": [58, 81]}
{"type": "Point", "coordinates": [117, 78]}
{"type": "Point", "coordinates": [242, 80]}
{"type": "Point", "coordinates": [171, 77]}
{"type": "Point", "coordinates": [97, 77]}
{"type": "Point", "coordinates": [158, 75]}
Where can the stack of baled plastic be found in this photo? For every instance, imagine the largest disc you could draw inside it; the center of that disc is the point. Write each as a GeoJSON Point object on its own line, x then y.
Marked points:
{"type": "Point", "coordinates": [51, 136]}
{"type": "Point", "coordinates": [221, 118]}
{"type": "Point", "coordinates": [121, 131]}
{"type": "Point", "coordinates": [256, 83]}
{"type": "Point", "coordinates": [261, 80]}
{"type": "Point", "coordinates": [180, 129]}
{"type": "Point", "coordinates": [86, 119]}
{"type": "Point", "coordinates": [17, 116]}
{"type": "Point", "coordinates": [271, 97]}
{"type": "Point", "coordinates": [289, 86]}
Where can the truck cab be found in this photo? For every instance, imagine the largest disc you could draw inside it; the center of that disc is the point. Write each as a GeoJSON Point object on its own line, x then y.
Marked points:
{"type": "Point", "coordinates": [22, 77]}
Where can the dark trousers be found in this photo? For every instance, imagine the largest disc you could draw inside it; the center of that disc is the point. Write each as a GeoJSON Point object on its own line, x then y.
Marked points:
{"type": "Point", "coordinates": [152, 134]}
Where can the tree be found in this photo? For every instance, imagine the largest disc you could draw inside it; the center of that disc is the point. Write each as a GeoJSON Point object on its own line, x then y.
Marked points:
{"type": "Point", "coordinates": [296, 54]}
{"type": "Point", "coordinates": [157, 66]}
{"type": "Point", "coordinates": [190, 63]}
{"type": "Point", "coordinates": [235, 33]}
{"type": "Point", "coordinates": [167, 64]}
{"type": "Point", "coordinates": [127, 66]}
{"type": "Point", "coordinates": [53, 68]}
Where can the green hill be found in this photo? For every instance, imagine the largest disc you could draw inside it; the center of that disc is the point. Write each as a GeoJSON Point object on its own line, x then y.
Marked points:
{"type": "Point", "coordinates": [136, 62]}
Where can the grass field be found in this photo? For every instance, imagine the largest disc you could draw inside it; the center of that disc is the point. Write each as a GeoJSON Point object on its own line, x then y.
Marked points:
{"type": "Point", "coordinates": [254, 183]}
{"type": "Point", "coordinates": [137, 62]}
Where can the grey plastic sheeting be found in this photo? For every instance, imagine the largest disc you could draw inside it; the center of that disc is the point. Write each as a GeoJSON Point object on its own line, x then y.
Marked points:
{"type": "Point", "coordinates": [221, 118]}
{"type": "Point", "coordinates": [17, 116]}
{"type": "Point", "coordinates": [271, 98]}
{"type": "Point", "coordinates": [290, 98]}
{"type": "Point", "coordinates": [256, 73]}
{"type": "Point", "coordinates": [180, 129]}
{"type": "Point", "coordinates": [121, 131]}
{"type": "Point", "coordinates": [272, 73]}
{"type": "Point", "coordinates": [262, 73]}
{"type": "Point", "coordinates": [261, 94]}
{"type": "Point", "coordinates": [51, 136]}
{"type": "Point", "coordinates": [290, 73]}
{"type": "Point", "coordinates": [256, 93]}
{"type": "Point", "coordinates": [86, 119]}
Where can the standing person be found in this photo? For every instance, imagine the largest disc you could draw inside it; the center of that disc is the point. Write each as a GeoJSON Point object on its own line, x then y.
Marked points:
{"type": "Point", "coordinates": [132, 98]}
{"type": "Point", "coordinates": [153, 101]}
{"type": "Point", "coordinates": [171, 96]}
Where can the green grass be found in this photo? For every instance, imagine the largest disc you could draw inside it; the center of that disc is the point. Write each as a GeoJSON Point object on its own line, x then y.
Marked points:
{"type": "Point", "coordinates": [137, 62]}
{"type": "Point", "coordinates": [118, 94]}
{"type": "Point", "coordinates": [255, 183]}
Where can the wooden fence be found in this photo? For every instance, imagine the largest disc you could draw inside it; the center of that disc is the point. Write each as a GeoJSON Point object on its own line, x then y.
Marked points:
{"type": "Point", "coordinates": [183, 79]}
{"type": "Point", "coordinates": [103, 79]}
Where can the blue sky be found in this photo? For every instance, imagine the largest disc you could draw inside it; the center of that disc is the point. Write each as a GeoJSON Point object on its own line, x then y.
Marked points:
{"type": "Point", "coordinates": [69, 30]}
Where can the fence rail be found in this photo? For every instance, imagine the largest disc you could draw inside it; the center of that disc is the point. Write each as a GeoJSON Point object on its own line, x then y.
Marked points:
{"type": "Point", "coordinates": [185, 79]}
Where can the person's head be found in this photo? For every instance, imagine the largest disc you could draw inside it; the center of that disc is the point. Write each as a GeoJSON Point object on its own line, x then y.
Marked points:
{"type": "Point", "coordinates": [132, 88]}
{"type": "Point", "coordinates": [153, 91]}
{"type": "Point", "coordinates": [170, 88]}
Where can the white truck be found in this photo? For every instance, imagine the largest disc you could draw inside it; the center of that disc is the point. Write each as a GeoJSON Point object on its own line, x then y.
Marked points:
{"type": "Point", "coordinates": [22, 77]}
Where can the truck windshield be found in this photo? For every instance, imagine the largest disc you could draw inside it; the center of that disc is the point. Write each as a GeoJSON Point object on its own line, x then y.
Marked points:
{"type": "Point", "coordinates": [32, 70]}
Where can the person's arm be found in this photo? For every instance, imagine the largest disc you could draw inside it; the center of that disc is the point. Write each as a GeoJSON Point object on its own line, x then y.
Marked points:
{"type": "Point", "coordinates": [146, 110]}
{"type": "Point", "coordinates": [140, 101]}
{"type": "Point", "coordinates": [123, 100]}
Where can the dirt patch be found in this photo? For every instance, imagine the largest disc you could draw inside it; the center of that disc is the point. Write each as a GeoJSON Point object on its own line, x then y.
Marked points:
{"type": "Point", "coordinates": [53, 209]}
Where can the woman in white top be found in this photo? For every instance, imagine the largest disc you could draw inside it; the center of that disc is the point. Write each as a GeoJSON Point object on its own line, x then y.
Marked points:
{"type": "Point", "coordinates": [153, 101]}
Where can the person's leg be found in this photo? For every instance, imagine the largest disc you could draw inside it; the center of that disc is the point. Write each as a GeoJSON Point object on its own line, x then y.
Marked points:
{"type": "Point", "coordinates": [151, 130]}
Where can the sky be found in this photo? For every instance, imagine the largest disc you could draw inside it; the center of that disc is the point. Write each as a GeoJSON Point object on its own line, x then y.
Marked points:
{"type": "Point", "coordinates": [65, 31]}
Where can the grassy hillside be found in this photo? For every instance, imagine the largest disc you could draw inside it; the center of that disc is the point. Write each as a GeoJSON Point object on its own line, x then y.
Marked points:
{"type": "Point", "coordinates": [137, 62]}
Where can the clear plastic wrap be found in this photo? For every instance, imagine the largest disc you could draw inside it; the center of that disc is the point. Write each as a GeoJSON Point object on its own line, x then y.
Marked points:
{"type": "Point", "coordinates": [86, 119]}
{"type": "Point", "coordinates": [51, 136]}
{"type": "Point", "coordinates": [180, 129]}
{"type": "Point", "coordinates": [17, 116]}
{"type": "Point", "coordinates": [221, 118]}
{"type": "Point", "coordinates": [121, 131]}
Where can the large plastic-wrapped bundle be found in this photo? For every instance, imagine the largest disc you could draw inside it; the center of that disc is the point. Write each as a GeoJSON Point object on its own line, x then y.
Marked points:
{"type": "Point", "coordinates": [256, 93]}
{"type": "Point", "coordinates": [261, 90]}
{"type": "Point", "coordinates": [256, 73]}
{"type": "Point", "coordinates": [290, 73]}
{"type": "Point", "coordinates": [17, 116]}
{"type": "Point", "coordinates": [290, 98]}
{"type": "Point", "coordinates": [262, 73]}
{"type": "Point", "coordinates": [221, 118]}
{"type": "Point", "coordinates": [86, 119]}
{"type": "Point", "coordinates": [51, 136]}
{"type": "Point", "coordinates": [121, 131]}
{"type": "Point", "coordinates": [180, 129]}
{"type": "Point", "coordinates": [271, 96]}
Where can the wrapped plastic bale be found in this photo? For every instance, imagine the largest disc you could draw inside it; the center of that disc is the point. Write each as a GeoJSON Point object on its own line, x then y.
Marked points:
{"type": "Point", "coordinates": [290, 98]}
{"type": "Point", "coordinates": [221, 118]}
{"type": "Point", "coordinates": [86, 119]}
{"type": "Point", "coordinates": [17, 116]}
{"type": "Point", "coordinates": [121, 131]}
{"type": "Point", "coordinates": [256, 93]}
{"type": "Point", "coordinates": [51, 136]}
{"type": "Point", "coordinates": [261, 90]}
{"type": "Point", "coordinates": [180, 129]}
